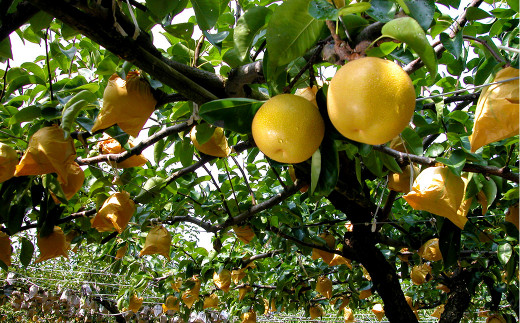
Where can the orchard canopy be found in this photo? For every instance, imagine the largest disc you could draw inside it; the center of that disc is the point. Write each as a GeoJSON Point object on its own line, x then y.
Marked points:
{"type": "Point", "coordinates": [131, 136]}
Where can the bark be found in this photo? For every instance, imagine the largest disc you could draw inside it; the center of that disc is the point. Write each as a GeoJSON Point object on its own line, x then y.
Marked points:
{"type": "Point", "coordinates": [360, 245]}
{"type": "Point", "coordinates": [459, 298]}
{"type": "Point", "coordinates": [9, 22]}
{"type": "Point", "coordinates": [194, 84]}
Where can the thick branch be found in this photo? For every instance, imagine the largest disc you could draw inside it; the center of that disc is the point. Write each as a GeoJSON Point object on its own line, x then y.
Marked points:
{"type": "Point", "coordinates": [141, 52]}
{"type": "Point", "coordinates": [12, 21]}
{"type": "Point", "coordinates": [243, 75]}
{"type": "Point", "coordinates": [459, 297]}
{"type": "Point", "coordinates": [261, 256]}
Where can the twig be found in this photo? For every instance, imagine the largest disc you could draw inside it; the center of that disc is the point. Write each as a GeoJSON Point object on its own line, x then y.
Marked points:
{"type": "Point", "coordinates": [404, 158]}
{"type": "Point", "coordinates": [262, 46]}
{"type": "Point", "coordinates": [488, 47]}
{"type": "Point", "coordinates": [4, 80]}
{"type": "Point", "coordinates": [198, 47]}
{"type": "Point", "coordinates": [277, 175]}
{"type": "Point", "coordinates": [48, 64]}
{"type": "Point", "coordinates": [231, 184]}
{"type": "Point", "coordinates": [308, 65]}
{"type": "Point", "coordinates": [222, 196]}
{"type": "Point", "coordinates": [253, 199]}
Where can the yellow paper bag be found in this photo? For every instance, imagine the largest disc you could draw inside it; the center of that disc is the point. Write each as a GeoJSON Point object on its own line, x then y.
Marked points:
{"type": "Point", "coordinates": [53, 245]}
{"type": "Point", "coordinates": [48, 152]}
{"type": "Point", "coordinates": [112, 146]}
{"type": "Point", "coordinates": [216, 146]}
{"type": "Point", "coordinates": [5, 248]}
{"type": "Point", "coordinates": [438, 191]}
{"type": "Point", "coordinates": [496, 116]}
{"type": "Point", "coordinates": [430, 250]}
{"type": "Point", "coordinates": [115, 213]}
{"type": "Point", "coordinates": [8, 162]}
{"type": "Point", "coordinates": [222, 280]}
{"type": "Point", "coordinates": [158, 241]}
{"type": "Point", "coordinates": [127, 103]}
{"type": "Point", "coordinates": [324, 286]}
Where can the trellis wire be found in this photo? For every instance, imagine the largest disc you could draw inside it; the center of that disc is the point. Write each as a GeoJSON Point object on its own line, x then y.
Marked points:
{"type": "Point", "coordinates": [464, 90]}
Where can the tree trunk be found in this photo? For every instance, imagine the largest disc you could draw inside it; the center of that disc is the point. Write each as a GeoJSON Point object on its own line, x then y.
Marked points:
{"type": "Point", "coordinates": [459, 298]}
{"type": "Point", "coordinates": [360, 245]}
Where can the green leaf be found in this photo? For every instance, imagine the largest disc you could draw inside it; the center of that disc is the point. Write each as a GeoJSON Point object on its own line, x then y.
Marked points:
{"type": "Point", "coordinates": [160, 8]}
{"type": "Point", "coordinates": [504, 253]}
{"type": "Point", "coordinates": [453, 46]}
{"type": "Point", "coordinates": [248, 25]}
{"type": "Point", "coordinates": [183, 30]}
{"type": "Point", "coordinates": [26, 252]}
{"type": "Point", "coordinates": [206, 12]}
{"type": "Point", "coordinates": [204, 133]}
{"type": "Point", "coordinates": [390, 163]}
{"type": "Point", "coordinates": [185, 150]}
{"type": "Point", "coordinates": [474, 13]}
{"type": "Point", "coordinates": [106, 67]}
{"type": "Point", "coordinates": [409, 31]}
{"type": "Point", "coordinates": [232, 114]}
{"type": "Point", "coordinates": [15, 219]}
{"type": "Point", "coordinates": [513, 4]}
{"type": "Point", "coordinates": [489, 187]}
{"type": "Point", "coordinates": [69, 115]}
{"type": "Point", "coordinates": [357, 7]}
{"type": "Point", "coordinates": [412, 141]}
{"type": "Point", "coordinates": [158, 150]}
{"type": "Point", "coordinates": [323, 10]}
{"type": "Point", "coordinates": [5, 50]}
{"type": "Point", "coordinates": [329, 170]}
{"type": "Point", "coordinates": [28, 114]}
{"type": "Point", "coordinates": [382, 10]}
{"type": "Point", "coordinates": [315, 169]}
{"type": "Point", "coordinates": [511, 194]}
{"type": "Point", "coordinates": [291, 32]}
{"type": "Point", "coordinates": [40, 20]}
{"type": "Point", "coordinates": [449, 242]}
{"type": "Point", "coordinates": [455, 162]}
{"type": "Point", "coordinates": [216, 39]}
{"type": "Point", "coordinates": [422, 11]}
{"type": "Point", "coordinates": [151, 189]}
{"type": "Point", "coordinates": [21, 81]}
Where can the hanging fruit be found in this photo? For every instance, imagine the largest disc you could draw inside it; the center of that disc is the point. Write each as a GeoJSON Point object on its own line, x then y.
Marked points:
{"type": "Point", "coordinates": [210, 301]}
{"type": "Point", "coordinates": [8, 162]}
{"type": "Point", "coordinates": [53, 245]}
{"type": "Point", "coordinates": [496, 116]}
{"type": "Point", "coordinates": [74, 180]}
{"type": "Point", "coordinates": [378, 310]}
{"type": "Point", "coordinates": [330, 242]}
{"type": "Point", "coordinates": [127, 103]}
{"type": "Point", "coordinates": [171, 304]}
{"type": "Point", "coordinates": [237, 275]}
{"type": "Point", "coordinates": [191, 295]}
{"type": "Point", "coordinates": [135, 303]}
{"type": "Point", "coordinates": [316, 311]}
{"type": "Point", "coordinates": [158, 241]}
{"type": "Point", "coordinates": [324, 286]}
{"type": "Point", "coordinates": [348, 315]}
{"type": "Point", "coordinates": [115, 213]}
{"type": "Point", "coordinates": [112, 146]}
{"type": "Point", "coordinates": [421, 274]}
{"type": "Point", "coordinates": [121, 252]}
{"type": "Point", "coordinates": [401, 182]}
{"type": "Point", "coordinates": [249, 317]}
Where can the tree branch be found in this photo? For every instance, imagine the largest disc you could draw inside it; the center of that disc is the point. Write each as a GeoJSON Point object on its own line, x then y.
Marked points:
{"type": "Point", "coordinates": [243, 75]}
{"type": "Point", "coordinates": [97, 25]}
{"type": "Point", "coordinates": [454, 29]}
{"type": "Point", "coordinates": [404, 158]}
{"type": "Point", "coordinates": [12, 21]}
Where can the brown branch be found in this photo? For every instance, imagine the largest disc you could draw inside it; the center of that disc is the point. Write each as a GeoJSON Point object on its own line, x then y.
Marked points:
{"type": "Point", "coordinates": [97, 25]}
{"type": "Point", "coordinates": [198, 47]}
{"type": "Point", "coordinates": [137, 149]}
{"type": "Point", "coordinates": [455, 28]}
{"type": "Point", "coordinates": [269, 254]}
{"type": "Point", "coordinates": [217, 187]}
{"type": "Point", "coordinates": [263, 205]}
{"type": "Point", "coordinates": [308, 66]}
{"type": "Point", "coordinates": [4, 81]}
{"type": "Point", "coordinates": [457, 98]}
{"type": "Point", "coordinates": [12, 21]}
{"type": "Point", "coordinates": [497, 56]}
{"type": "Point", "coordinates": [404, 158]}
{"type": "Point", "coordinates": [240, 76]}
